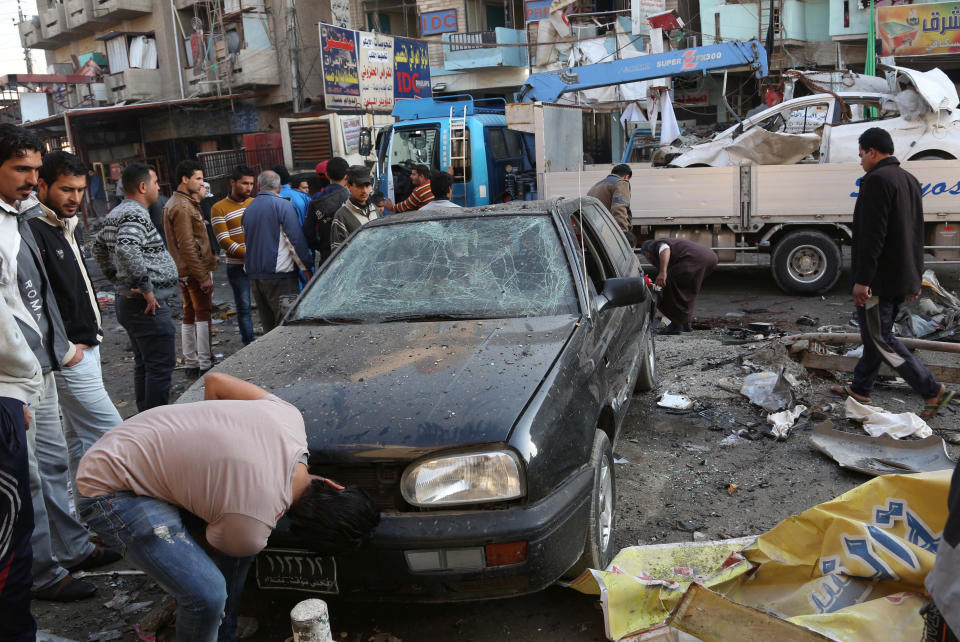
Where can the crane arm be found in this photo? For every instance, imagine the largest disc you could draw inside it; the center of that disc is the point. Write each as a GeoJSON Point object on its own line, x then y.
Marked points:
{"type": "Point", "coordinates": [550, 85]}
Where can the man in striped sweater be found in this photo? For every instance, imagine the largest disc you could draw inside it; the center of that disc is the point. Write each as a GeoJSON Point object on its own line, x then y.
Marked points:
{"type": "Point", "coordinates": [132, 255]}
{"type": "Point", "coordinates": [227, 219]}
{"type": "Point", "coordinates": [422, 194]}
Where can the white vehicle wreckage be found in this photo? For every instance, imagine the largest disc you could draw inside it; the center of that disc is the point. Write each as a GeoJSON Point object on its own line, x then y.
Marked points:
{"type": "Point", "coordinates": [919, 109]}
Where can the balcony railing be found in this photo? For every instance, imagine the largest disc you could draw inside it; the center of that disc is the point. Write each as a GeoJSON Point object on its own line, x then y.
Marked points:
{"type": "Point", "coordinates": [478, 49]}
{"type": "Point", "coordinates": [81, 15]}
{"type": "Point", "coordinates": [53, 22]}
{"type": "Point", "coordinates": [31, 35]}
{"type": "Point", "coordinates": [116, 10]}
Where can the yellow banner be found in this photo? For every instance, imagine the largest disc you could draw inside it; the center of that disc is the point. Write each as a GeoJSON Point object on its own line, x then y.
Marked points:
{"type": "Point", "coordinates": [919, 29]}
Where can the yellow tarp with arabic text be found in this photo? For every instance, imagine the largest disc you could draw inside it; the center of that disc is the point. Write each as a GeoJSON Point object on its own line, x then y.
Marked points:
{"type": "Point", "coordinates": [851, 568]}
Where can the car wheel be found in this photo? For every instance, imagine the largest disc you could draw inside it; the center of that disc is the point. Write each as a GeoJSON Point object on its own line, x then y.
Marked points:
{"type": "Point", "coordinates": [806, 262]}
{"type": "Point", "coordinates": [647, 377]}
{"type": "Point", "coordinates": [598, 548]}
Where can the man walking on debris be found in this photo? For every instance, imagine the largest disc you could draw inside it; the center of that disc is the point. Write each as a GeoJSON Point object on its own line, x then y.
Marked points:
{"type": "Point", "coordinates": [683, 265]}
{"type": "Point", "coordinates": [132, 255]}
{"type": "Point", "coordinates": [189, 246]}
{"type": "Point", "coordinates": [275, 249]}
{"type": "Point", "coordinates": [614, 192]}
{"type": "Point", "coordinates": [357, 210]}
{"type": "Point", "coordinates": [227, 218]}
{"type": "Point", "coordinates": [86, 408]}
{"type": "Point", "coordinates": [886, 267]}
{"type": "Point", "coordinates": [58, 539]}
{"type": "Point", "coordinates": [135, 480]}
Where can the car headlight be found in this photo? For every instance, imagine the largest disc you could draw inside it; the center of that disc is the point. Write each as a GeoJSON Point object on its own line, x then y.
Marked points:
{"type": "Point", "coordinates": [463, 478]}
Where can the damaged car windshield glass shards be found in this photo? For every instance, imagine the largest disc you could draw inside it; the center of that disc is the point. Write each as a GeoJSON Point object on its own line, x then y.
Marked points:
{"type": "Point", "coordinates": [484, 267]}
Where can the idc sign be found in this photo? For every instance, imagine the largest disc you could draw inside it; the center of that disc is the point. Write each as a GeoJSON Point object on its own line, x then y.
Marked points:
{"type": "Point", "coordinates": [434, 22]}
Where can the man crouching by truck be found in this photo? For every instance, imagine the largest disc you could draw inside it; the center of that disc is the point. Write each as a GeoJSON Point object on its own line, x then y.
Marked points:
{"type": "Point", "coordinates": [237, 461]}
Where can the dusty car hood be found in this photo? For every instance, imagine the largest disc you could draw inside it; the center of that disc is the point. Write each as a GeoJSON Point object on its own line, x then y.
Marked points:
{"type": "Point", "coordinates": [399, 390]}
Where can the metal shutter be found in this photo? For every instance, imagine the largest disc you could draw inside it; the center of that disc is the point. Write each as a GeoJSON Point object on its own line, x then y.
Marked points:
{"type": "Point", "coordinates": [310, 142]}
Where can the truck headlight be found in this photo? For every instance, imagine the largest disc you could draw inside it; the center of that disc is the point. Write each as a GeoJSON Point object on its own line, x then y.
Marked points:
{"type": "Point", "coordinates": [463, 478]}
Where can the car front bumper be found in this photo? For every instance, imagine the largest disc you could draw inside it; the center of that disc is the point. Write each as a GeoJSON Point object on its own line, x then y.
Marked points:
{"type": "Point", "coordinates": [554, 530]}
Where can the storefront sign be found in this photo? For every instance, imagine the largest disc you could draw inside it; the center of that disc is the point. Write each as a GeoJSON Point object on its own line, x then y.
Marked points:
{"type": "Point", "coordinates": [411, 69]}
{"type": "Point", "coordinates": [376, 71]}
{"type": "Point", "coordinates": [434, 22]}
{"type": "Point", "coordinates": [341, 78]}
{"type": "Point", "coordinates": [919, 29]}
{"type": "Point", "coordinates": [351, 134]}
{"type": "Point", "coordinates": [537, 10]}
{"type": "Point", "coordinates": [340, 13]}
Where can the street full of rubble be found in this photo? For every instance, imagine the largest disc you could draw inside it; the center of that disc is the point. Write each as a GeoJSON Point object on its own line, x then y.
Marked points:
{"type": "Point", "coordinates": [709, 472]}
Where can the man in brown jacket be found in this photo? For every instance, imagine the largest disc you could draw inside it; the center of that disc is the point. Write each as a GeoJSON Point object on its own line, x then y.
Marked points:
{"type": "Point", "coordinates": [614, 193]}
{"type": "Point", "coordinates": [189, 245]}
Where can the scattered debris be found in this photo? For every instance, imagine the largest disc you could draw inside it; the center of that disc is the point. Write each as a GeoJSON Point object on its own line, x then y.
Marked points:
{"type": "Point", "coordinates": [732, 488]}
{"type": "Point", "coordinates": [675, 402]}
{"type": "Point", "coordinates": [730, 384]}
{"type": "Point", "coordinates": [730, 440]}
{"type": "Point", "coordinates": [105, 636]}
{"type": "Point", "coordinates": [621, 460]}
{"type": "Point", "coordinates": [877, 421]}
{"type": "Point", "coordinates": [782, 422]}
{"type": "Point", "coordinates": [805, 320]}
{"type": "Point", "coordinates": [881, 455]}
{"type": "Point", "coordinates": [687, 526]}
{"type": "Point", "coordinates": [769, 390]}
{"type": "Point", "coordinates": [106, 299]}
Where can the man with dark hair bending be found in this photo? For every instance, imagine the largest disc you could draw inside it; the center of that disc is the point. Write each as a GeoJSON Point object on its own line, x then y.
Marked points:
{"type": "Point", "coordinates": [135, 480]}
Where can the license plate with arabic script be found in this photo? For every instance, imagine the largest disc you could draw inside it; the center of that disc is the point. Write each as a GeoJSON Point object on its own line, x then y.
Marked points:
{"type": "Point", "coordinates": [296, 570]}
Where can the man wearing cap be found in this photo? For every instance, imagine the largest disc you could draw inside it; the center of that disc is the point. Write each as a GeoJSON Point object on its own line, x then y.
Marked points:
{"type": "Point", "coordinates": [322, 179]}
{"type": "Point", "coordinates": [316, 227]}
{"type": "Point", "coordinates": [358, 210]}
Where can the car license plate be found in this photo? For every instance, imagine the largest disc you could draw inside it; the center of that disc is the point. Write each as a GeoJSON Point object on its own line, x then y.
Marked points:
{"type": "Point", "coordinates": [296, 570]}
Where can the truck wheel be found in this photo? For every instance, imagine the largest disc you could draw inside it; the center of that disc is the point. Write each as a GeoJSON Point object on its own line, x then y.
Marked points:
{"type": "Point", "coordinates": [806, 262]}
{"type": "Point", "coordinates": [598, 548]}
{"type": "Point", "coordinates": [647, 377]}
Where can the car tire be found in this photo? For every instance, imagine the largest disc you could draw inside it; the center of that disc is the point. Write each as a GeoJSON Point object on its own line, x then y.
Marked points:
{"type": "Point", "coordinates": [806, 262]}
{"type": "Point", "coordinates": [647, 377]}
{"type": "Point", "coordinates": [599, 543]}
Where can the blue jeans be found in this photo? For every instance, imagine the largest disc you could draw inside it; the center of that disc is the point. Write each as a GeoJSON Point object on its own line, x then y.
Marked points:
{"type": "Point", "coordinates": [241, 296]}
{"type": "Point", "coordinates": [153, 337]}
{"type": "Point", "coordinates": [151, 534]}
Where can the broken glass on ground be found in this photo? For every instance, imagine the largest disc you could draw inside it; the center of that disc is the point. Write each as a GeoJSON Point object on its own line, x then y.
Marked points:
{"type": "Point", "coordinates": [881, 455]}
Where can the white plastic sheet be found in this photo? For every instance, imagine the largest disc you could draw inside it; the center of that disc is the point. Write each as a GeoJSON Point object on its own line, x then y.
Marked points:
{"type": "Point", "coordinates": [877, 421]}
{"type": "Point", "coordinates": [783, 421]}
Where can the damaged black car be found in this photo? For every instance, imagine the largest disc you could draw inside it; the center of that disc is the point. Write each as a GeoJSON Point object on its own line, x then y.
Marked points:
{"type": "Point", "coordinates": [470, 369]}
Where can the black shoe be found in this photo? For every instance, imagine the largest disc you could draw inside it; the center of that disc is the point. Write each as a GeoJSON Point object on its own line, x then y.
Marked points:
{"type": "Point", "coordinates": [69, 589]}
{"type": "Point", "coordinates": [192, 373]}
{"type": "Point", "coordinates": [101, 556]}
{"type": "Point", "coordinates": [685, 327]}
{"type": "Point", "coordinates": [670, 330]}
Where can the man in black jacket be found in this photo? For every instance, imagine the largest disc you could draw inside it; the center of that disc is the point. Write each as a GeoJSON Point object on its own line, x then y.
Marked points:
{"type": "Point", "coordinates": [316, 226]}
{"type": "Point", "coordinates": [886, 266]}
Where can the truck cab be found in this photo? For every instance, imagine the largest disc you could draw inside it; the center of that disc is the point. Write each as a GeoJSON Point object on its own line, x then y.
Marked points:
{"type": "Point", "coordinates": [459, 133]}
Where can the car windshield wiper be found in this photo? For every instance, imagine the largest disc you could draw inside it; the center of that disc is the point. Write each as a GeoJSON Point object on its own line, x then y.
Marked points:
{"type": "Point", "coordinates": [430, 316]}
{"type": "Point", "coordinates": [327, 320]}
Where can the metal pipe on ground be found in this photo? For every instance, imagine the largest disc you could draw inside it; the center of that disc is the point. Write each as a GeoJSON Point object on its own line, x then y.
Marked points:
{"type": "Point", "coordinates": [850, 337]}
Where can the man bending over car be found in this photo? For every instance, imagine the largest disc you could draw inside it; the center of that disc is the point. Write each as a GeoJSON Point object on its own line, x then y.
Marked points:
{"type": "Point", "coordinates": [237, 461]}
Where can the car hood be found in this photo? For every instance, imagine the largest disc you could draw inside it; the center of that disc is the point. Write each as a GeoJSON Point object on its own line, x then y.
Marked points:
{"type": "Point", "coordinates": [383, 392]}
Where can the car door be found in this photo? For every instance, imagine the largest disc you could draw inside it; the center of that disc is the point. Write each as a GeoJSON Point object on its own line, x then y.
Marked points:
{"type": "Point", "coordinates": [630, 321]}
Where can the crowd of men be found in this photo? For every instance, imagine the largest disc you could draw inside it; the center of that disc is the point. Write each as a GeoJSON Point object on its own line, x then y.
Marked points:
{"type": "Point", "coordinates": [60, 429]}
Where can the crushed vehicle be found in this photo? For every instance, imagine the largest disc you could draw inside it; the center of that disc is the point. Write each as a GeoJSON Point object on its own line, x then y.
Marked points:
{"type": "Point", "coordinates": [919, 111]}
{"type": "Point", "coordinates": [470, 369]}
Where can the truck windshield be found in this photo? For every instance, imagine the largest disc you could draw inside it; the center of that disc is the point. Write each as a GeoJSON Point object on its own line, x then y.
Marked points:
{"type": "Point", "coordinates": [415, 147]}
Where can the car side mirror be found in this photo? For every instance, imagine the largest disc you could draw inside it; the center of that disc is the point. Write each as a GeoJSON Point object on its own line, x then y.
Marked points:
{"type": "Point", "coordinates": [366, 141]}
{"type": "Point", "coordinates": [619, 292]}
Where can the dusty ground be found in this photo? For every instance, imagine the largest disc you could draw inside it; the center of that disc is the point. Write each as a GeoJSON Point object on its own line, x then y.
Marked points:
{"type": "Point", "coordinates": [675, 479]}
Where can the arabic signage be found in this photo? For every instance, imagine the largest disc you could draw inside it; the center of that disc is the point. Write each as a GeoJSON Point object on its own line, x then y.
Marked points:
{"type": "Point", "coordinates": [340, 13]}
{"type": "Point", "coordinates": [376, 71]}
{"type": "Point", "coordinates": [919, 29]}
{"type": "Point", "coordinates": [365, 71]}
{"type": "Point", "coordinates": [434, 22]}
{"type": "Point", "coordinates": [351, 134]}
{"type": "Point", "coordinates": [411, 69]}
{"type": "Point", "coordinates": [537, 10]}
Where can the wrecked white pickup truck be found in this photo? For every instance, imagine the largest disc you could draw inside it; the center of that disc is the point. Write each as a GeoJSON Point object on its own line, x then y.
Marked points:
{"type": "Point", "coordinates": [789, 204]}
{"type": "Point", "coordinates": [919, 109]}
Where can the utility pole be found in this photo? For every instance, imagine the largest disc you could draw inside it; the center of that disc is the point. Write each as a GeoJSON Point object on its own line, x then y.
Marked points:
{"type": "Point", "coordinates": [26, 52]}
{"type": "Point", "coordinates": [294, 48]}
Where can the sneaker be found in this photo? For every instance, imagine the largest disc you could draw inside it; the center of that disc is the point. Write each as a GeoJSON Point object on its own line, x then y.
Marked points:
{"type": "Point", "coordinates": [69, 589]}
{"type": "Point", "coordinates": [101, 556]}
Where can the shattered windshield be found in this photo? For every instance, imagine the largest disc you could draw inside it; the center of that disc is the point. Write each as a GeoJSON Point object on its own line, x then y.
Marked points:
{"type": "Point", "coordinates": [484, 267]}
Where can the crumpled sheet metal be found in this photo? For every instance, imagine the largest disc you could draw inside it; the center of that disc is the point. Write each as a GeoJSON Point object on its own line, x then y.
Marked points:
{"type": "Point", "coordinates": [881, 455]}
{"type": "Point", "coordinates": [851, 569]}
{"type": "Point", "coordinates": [756, 145]}
{"type": "Point", "coordinates": [771, 391]}
{"type": "Point", "coordinates": [877, 421]}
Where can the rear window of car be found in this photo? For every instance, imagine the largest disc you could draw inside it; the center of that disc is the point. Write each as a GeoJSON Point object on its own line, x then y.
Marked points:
{"type": "Point", "coordinates": [483, 267]}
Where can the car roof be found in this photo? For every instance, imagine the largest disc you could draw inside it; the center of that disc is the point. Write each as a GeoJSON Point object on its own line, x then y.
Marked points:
{"type": "Point", "coordinates": [520, 208]}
